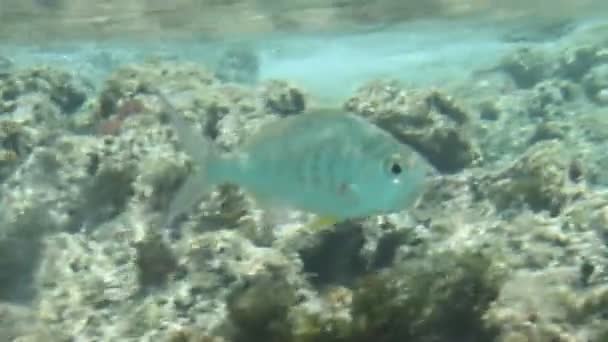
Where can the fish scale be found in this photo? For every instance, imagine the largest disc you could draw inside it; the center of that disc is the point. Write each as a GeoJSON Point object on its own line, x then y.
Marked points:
{"type": "Point", "coordinates": [315, 169]}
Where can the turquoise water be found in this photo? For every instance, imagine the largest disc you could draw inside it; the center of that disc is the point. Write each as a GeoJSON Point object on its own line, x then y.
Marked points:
{"type": "Point", "coordinates": [425, 52]}
{"type": "Point", "coordinates": [506, 101]}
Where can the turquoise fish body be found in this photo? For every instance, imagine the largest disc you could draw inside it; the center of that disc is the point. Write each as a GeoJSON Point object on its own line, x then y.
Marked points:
{"type": "Point", "coordinates": [331, 164]}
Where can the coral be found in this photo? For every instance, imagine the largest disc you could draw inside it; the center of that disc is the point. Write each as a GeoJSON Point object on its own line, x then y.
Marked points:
{"type": "Point", "coordinates": [283, 98]}
{"type": "Point", "coordinates": [508, 134]}
{"type": "Point", "coordinates": [81, 278]}
{"type": "Point", "coordinates": [488, 110]}
{"type": "Point", "coordinates": [155, 260]}
{"type": "Point", "coordinates": [74, 184]}
{"type": "Point", "coordinates": [427, 119]}
{"type": "Point", "coordinates": [538, 180]}
{"type": "Point", "coordinates": [526, 66]}
{"type": "Point", "coordinates": [576, 61]}
{"type": "Point", "coordinates": [595, 83]}
{"type": "Point", "coordinates": [547, 98]}
{"type": "Point", "coordinates": [191, 335]}
{"type": "Point", "coordinates": [259, 309]}
{"type": "Point", "coordinates": [225, 113]}
{"type": "Point", "coordinates": [62, 89]}
{"type": "Point", "coordinates": [132, 89]}
{"type": "Point", "coordinates": [547, 131]}
{"type": "Point", "coordinates": [125, 108]}
{"type": "Point", "coordinates": [97, 277]}
{"type": "Point", "coordinates": [131, 80]}
{"type": "Point", "coordinates": [546, 307]}
{"type": "Point", "coordinates": [559, 289]}
{"type": "Point", "coordinates": [332, 266]}
{"type": "Point", "coordinates": [16, 142]}
{"type": "Point", "coordinates": [19, 323]}
{"type": "Point", "coordinates": [443, 298]}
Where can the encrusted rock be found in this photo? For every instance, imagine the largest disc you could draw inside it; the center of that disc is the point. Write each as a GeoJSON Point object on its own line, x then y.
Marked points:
{"type": "Point", "coordinates": [526, 66]}
{"type": "Point", "coordinates": [63, 89]}
{"type": "Point", "coordinates": [576, 61]}
{"type": "Point", "coordinates": [595, 83]}
{"type": "Point", "coordinates": [538, 180]}
{"type": "Point", "coordinates": [283, 98]}
{"type": "Point", "coordinates": [427, 119]}
{"type": "Point", "coordinates": [547, 98]}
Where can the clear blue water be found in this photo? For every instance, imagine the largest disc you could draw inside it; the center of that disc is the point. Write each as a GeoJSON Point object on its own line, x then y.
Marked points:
{"type": "Point", "coordinates": [328, 64]}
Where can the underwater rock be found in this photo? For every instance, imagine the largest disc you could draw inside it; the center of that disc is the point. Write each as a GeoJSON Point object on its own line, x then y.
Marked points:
{"type": "Point", "coordinates": [442, 298]}
{"type": "Point", "coordinates": [545, 306]}
{"type": "Point", "coordinates": [576, 61]}
{"type": "Point", "coordinates": [547, 131]}
{"type": "Point", "coordinates": [131, 89]}
{"type": "Point", "coordinates": [225, 113]}
{"type": "Point", "coordinates": [19, 323]}
{"type": "Point", "coordinates": [146, 78]}
{"type": "Point", "coordinates": [488, 110]}
{"type": "Point", "coordinates": [335, 259]}
{"type": "Point", "coordinates": [234, 255]}
{"type": "Point", "coordinates": [61, 88]}
{"type": "Point", "coordinates": [239, 64]}
{"type": "Point", "coordinates": [538, 180]}
{"type": "Point", "coordinates": [191, 335]}
{"type": "Point", "coordinates": [155, 260]}
{"type": "Point", "coordinates": [283, 98]}
{"type": "Point", "coordinates": [16, 143]}
{"type": "Point", "coordinates": [595, 83]}
{"type": "Point", "coordinates": [259, 309]}
{"type": "Point", "coordinates": [136, 79]}
{"type": "Point", "coordinates": [547, 98]}
{"type": "Point", "coordinates": [427, 119]}
{"type": "Point", "coordinates": [229, 207]}
{"type": "Point", "coordinates": [75, 182]}
{"type": "Point", "coordinates": [526, 66]}
{"type": "Point", "coordinates": [508, 134]}
{"type": "Point", "coordinates": [351, 249]}
{"type": "Point", "coordinates": [98, 276]}
{"type": "Point", "coordinates": [82, 277]}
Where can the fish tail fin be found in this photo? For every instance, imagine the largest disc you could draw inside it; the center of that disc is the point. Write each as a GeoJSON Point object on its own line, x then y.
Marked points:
{"type": "Point", "coordinates": [207, 162]}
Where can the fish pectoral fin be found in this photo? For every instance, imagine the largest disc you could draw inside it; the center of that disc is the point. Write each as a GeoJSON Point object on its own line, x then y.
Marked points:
{"type": "Point", "coordinates": [321, 223]}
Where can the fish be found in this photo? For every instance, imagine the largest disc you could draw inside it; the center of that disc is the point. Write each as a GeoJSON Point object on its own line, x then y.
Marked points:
{"type": "Point", "coordinates": [327, 162]}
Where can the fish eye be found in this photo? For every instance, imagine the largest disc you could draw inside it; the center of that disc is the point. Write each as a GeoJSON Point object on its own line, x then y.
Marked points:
{"type": "Point", "coordinates": [394, 165]}
{"type": "Point", "coordinates": [396, 168]}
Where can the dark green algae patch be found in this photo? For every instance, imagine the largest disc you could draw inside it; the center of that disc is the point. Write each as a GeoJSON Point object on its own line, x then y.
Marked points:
{"type": "Point", "coordinates": [442, 298]}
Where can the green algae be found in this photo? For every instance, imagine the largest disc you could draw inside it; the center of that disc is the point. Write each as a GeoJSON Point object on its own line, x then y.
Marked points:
{"type": "Point", "coordinates": [260, 310]}
{"type": "Point", "coordinates": [440, 299]}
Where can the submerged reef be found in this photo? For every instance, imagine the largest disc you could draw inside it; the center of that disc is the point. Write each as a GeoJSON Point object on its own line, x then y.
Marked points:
{"type": "Point", "coordinates": [538, 180]}
{"type": "Point", "coordinates": [509, 242]}
{"type": "Point", "coordinates": [429, 120]}
{"type": "Point", "coordinates": [438, 299]}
